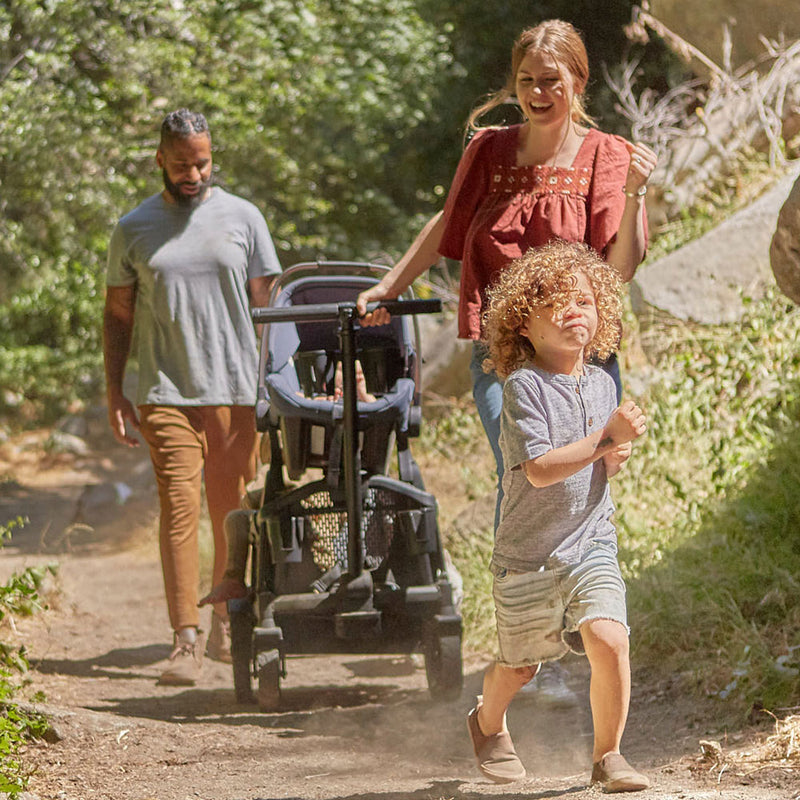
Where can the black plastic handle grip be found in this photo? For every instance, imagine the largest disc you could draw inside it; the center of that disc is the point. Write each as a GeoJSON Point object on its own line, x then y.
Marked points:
{"type": "Point", "coordinates": [319, 312]}
{"type": "Point", "coordinates": [401, 308]}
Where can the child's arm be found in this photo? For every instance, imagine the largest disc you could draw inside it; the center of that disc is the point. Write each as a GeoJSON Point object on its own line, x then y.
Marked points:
{"type": "Point", "coordinates": [616, 458]}
{"type": "Point", "coordinates": [624, 425]}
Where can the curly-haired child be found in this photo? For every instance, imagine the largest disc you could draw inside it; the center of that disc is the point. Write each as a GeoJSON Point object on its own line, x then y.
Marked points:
{"type": "Point", "coordinates": [557, 584]}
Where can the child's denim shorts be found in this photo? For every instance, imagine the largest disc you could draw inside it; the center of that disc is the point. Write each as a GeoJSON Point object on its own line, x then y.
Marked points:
{"type": "Point", "coordinates": [539, 613]}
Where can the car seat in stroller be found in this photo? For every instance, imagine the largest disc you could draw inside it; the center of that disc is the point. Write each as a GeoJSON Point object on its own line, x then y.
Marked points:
{"type": "Point", "coordinates": [351, 559]}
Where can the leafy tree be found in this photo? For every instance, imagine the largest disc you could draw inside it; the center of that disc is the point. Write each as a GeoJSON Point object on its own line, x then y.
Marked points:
{"type": "Point", "coordinates": [305, 100]}
{"type": "Point", "coordinates": [324, 93]}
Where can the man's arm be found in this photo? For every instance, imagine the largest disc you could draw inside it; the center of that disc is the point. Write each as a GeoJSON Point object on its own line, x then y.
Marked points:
{"type": "Point", "coordinates": [117, 335]}
{"type": "Point", "coordinates": [624, 425]}
{"type": "Point", "coordinates": [259, 290]}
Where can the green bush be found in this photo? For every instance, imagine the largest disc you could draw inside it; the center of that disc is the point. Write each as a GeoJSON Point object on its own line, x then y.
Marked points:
{"type": "Point", "coordinates": [50, 344]}
{"type": "Point", "coordinates": [19, 596]}
{"type": "Point", "coordinates": [709, 510]}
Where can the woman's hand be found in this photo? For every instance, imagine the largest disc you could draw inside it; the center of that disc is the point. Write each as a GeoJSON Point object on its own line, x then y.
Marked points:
{"type": "Point", "coordinates": [643, 162]}
{"type": "Point", "coordinates": [380, 316]}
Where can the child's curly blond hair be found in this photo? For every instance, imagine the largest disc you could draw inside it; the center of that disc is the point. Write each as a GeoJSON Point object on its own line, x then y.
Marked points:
{"type": "Point", "coordinates": [547, 276]}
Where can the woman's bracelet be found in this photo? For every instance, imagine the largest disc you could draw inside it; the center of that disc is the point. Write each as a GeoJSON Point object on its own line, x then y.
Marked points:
{"type": "Point", "coordinates": [640, 192]}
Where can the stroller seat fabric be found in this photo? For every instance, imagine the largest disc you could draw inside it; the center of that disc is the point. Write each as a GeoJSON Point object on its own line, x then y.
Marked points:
{"type": "Point", "coordinates": [300, 375]}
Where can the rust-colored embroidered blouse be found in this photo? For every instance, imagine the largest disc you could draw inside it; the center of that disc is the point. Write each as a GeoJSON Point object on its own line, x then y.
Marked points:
{"type": "Point", "coordinates": [495, 210]}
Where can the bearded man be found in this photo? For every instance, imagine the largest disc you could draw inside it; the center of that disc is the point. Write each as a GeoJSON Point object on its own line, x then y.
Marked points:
{"type": "Point", "coordinates": [184, 267]}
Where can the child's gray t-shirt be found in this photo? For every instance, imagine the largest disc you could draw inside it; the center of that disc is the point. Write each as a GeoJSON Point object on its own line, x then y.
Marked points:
{"type": "Point", "coordinates": [543, 411]}
{"type": "Point", "coordinates": [194, 341]}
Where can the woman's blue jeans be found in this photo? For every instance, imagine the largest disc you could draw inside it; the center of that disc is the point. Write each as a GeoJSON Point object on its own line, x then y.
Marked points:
{"type": "Point", "coordinates": [487, 391]}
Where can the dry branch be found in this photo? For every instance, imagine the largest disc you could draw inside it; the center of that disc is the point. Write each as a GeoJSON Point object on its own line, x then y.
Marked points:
{"type": "Point", "coordinates": [702, 128]}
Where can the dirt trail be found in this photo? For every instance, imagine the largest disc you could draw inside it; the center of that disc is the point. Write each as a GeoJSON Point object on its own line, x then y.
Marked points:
{"type": "Point", "coordinates": [352, 727]}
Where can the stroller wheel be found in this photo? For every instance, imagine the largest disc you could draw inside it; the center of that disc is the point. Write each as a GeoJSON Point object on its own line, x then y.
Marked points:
{"type": "Point", "coordinates": [268, 670]}
{"type": "Point", "coordinates": [443, 666]}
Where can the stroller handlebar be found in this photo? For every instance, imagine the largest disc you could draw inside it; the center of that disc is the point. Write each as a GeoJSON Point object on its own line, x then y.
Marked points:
{"type": "Point", "coordinates": [319, 312]}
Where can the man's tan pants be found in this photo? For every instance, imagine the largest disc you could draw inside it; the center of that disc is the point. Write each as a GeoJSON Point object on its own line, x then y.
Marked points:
{"type": "Point", "coordinates": [187, 443]}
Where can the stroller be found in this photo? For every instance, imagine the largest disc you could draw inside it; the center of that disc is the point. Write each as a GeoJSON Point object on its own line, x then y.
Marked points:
{"type": "Point", "coordinates": [350, 561]}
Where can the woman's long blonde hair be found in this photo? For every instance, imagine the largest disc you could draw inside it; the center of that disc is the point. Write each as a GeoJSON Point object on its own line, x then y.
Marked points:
{"type": "Point", "coordinates": [559, 40]}
{"type": "Point", "coordinates": [547, 276]}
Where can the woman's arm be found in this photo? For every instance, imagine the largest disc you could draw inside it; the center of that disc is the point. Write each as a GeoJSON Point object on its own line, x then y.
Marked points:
{"type": "Point", "coordinates": [423, 253]}
{"type": "Point", "coordinates": [627, 250]}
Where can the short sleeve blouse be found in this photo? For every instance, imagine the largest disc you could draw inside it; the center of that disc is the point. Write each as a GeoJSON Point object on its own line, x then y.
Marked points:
{"type": "Point", "coordinates": [496, 211]}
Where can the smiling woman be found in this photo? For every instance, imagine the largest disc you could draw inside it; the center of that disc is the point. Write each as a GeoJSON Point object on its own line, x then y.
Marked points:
{"type": "Point", "coordinates": [542, 90]}
{"type": "Point", "coordinates": [521, 186]}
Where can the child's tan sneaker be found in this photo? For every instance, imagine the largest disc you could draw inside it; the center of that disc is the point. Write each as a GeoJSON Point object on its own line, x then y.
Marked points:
{"type": "Point", "coordinates": [496, 757]}
{"type": "Point", "coordinates": [615, 774]}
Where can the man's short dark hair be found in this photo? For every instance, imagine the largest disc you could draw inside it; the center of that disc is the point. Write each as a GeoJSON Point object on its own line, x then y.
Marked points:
{"type": "Point", "coordinates": [182, 124]}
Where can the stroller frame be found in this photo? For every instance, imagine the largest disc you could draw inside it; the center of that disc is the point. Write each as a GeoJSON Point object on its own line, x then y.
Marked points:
{"type": "Point", "coordinates": [351, 562]}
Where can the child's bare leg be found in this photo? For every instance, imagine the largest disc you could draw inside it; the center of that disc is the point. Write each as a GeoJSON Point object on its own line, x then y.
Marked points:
{"type": "Point", "coordinates": [361, 384]}
{"type": "Point", "coordinates": [500, 684]}
{"type": "Point", "coordinates": [492, 744]}
{"type": "Point", "coordinates": [607, 649]}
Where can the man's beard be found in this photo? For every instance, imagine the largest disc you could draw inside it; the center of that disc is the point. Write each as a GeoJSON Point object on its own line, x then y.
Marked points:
{"type": "Point", "coordinates": [187, 200]}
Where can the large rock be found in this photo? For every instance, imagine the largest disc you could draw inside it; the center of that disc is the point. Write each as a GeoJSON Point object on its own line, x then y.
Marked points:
{"type": "Point", "coordinates": [705, 280]}
{"type": "Point", "coordinates": [784, 251]}
{"type": "Point", "coordinates": [445, 368]}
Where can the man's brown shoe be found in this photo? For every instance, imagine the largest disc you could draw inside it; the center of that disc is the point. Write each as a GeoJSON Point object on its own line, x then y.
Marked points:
{"type": "Point", "coordinates": [185, 662]}
{"type": "Point", "coordinates": [219, 639]}
{"type": "Point", "coordinates": [615, 774]}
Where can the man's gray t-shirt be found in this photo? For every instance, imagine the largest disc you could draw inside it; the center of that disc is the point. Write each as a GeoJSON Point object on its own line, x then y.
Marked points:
{"type": "Point", "coordinates": [543, 411]}
{"type": "Point", "coordinates": [195, 341]}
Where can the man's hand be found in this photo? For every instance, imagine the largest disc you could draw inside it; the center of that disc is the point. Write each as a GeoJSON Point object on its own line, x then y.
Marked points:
{"type": "Point", "coordinates": [120, 411]}
{"type": "Point", "coordinates": [227, 589]}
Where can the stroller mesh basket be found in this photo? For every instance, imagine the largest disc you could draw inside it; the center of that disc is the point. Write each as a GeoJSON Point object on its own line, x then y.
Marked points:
{"type": "Point", "coordinates": [396, 523]}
